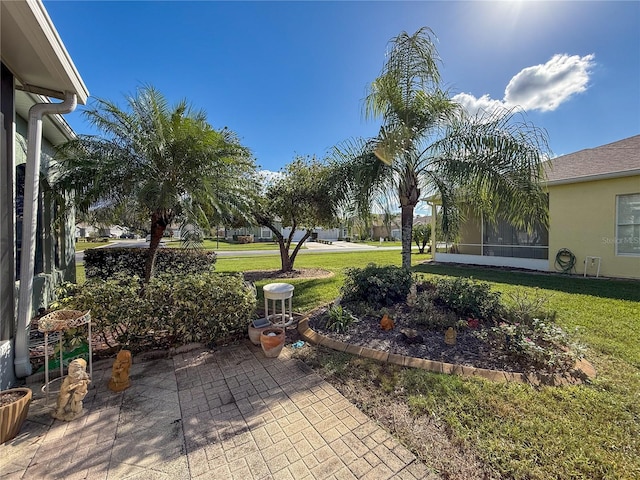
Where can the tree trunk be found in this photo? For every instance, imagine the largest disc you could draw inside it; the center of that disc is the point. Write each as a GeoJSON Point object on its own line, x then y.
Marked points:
{"type": "Point", "coordinates": [408, 194]}
{"type": "Point", "coordinates": [407, 230]}
{"type": "Point", "coordinates": [158, 226]}
{"type": "Point", "coordinates": [285, 262]}
{"type": "Point", "coordinates": [292, 257]}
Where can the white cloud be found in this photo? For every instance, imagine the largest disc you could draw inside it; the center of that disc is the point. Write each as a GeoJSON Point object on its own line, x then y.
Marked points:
{"type": "Point", "coordinates": [475, 105]}
{"type": "Point", "coordinates": [540, 87]}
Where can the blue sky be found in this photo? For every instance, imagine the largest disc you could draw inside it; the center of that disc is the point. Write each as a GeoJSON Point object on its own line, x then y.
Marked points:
{"type": "Point", "coordinates": [289, 77]}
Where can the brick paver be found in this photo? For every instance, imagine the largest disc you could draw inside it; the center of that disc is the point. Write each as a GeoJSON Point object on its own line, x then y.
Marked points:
{"type": "Point", "coordinates": [231, 413]}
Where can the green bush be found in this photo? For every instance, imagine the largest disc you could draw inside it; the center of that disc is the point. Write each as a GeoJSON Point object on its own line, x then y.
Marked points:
{"type": "Point", "coordinates": [468, 298]}
{"type": "Point", "coordinates": [426, 314]}
{"type": "Point", "coordinates": [206, 308]}
{"type": "Point", "coordinates": [104, 263]}
{"type": "Point", "coordinates": [378, 286]}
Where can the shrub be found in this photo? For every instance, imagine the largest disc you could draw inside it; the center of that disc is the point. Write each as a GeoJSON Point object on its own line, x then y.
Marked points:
{"type": "Point", "coordinates": [537, 345]}
{"type": "Point", "coordinates": [376, 285]}
{"type": "Point", "coordinates": [104, 263]}
{"type": "Point", "coordinates": [523, 307]}
{"type": "Point", "coordinates": [468, 298]}
{"type": "Point", "coordinates": [426, 314]}
{"type": "Point", "coordinates": [340, 319]}
{"type": "Point", "coordinates": [206, 308]}
{"type": "Point", "coordinates": [529, 336]}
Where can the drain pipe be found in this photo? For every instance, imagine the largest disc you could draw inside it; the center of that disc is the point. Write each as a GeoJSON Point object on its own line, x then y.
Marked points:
{"type": "Point", "coordinates": [29, 225]}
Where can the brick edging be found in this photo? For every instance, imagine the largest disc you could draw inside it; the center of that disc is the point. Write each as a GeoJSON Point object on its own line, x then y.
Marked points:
{"type": "Point", "coordinates": [582, 372]}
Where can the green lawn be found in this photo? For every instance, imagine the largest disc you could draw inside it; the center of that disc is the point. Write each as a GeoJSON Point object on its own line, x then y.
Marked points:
{"type": "Point", "coordinates": [81, 246]}
{"type": "Point", "coordinates": [376, 243]}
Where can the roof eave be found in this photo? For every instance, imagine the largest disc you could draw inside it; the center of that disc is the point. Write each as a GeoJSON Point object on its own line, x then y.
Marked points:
{"type": "Point", "coordinates": [34, 52]}
{"type": "Point", "coordinates": [591, 178]}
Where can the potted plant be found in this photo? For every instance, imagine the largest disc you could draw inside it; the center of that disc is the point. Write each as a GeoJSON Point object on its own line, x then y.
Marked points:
{"type": "Point", "coordinates": [14, 406]}
{"type": "Point", "coordinates": [272, 341]}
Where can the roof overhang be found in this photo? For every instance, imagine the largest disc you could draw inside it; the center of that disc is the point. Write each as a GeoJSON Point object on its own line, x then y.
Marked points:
{"type": "Point", "coordinates": [592, 178]}
{"type": "Point", "coordinates": [32, 49]}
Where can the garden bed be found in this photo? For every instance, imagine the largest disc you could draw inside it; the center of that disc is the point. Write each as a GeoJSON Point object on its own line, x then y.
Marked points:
{"type": "Point", "coordinates": [366, 332]}
{"type": "Point", "coordinates": [387, 310]}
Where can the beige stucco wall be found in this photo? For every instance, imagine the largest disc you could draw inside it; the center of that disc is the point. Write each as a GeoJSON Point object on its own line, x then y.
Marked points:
{"type": "Point", "coordinates": [582, 218]}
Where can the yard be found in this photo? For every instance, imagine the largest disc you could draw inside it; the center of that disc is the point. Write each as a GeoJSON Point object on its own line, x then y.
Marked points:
{"type": "Point", "coordinates": [515, 431]}
{"type": "Point", "coordinates": [464, 428]}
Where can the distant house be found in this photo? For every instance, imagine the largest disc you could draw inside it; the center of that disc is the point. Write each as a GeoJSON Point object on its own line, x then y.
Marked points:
{"type": "Point", "coordinates": [35, 66]}
{"type": "Point", "coordinates": [263, 234]}
{"type": "Point", "coordinates": [594, 213]}
{"type": "Point", "coordinates": [380, 230]}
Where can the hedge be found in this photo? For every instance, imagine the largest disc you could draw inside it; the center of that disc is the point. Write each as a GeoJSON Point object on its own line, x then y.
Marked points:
{"type": "Point", "coordinates": [105, 263]}
{"type": "Point", "coordinates": [207, 308]}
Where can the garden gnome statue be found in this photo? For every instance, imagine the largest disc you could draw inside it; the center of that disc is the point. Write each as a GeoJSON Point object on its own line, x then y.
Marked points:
{"type": "Point", "coordinates": [450, 336]}
{"type": "Point", "coordinates": [74, 388]}
{"type": "Point", "coordinates": [120, 374]}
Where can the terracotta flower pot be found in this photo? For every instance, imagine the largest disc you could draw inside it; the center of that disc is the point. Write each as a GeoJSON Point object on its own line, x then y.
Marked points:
{"type": "Point", "coordinates": [272, 341]}
{"type": "Point", "coordinates": [255, 331]}
{"type": "Point", "coordinates": [13, 415]}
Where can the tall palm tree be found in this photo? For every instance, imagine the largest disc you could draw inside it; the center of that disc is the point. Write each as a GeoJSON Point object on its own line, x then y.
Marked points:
{"type": "Point", "coordinates": [428, 145]}
{"type": "Point", "coordinates": [166, 161]}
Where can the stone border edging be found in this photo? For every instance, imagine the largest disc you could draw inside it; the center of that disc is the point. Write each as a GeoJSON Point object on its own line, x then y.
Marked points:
{"type": "Point", "coordinates": [584, 370]}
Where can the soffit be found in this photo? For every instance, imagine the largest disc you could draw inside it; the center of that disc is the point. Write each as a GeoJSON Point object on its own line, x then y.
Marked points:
{"type": "Point", "coordinates": [32, 49]}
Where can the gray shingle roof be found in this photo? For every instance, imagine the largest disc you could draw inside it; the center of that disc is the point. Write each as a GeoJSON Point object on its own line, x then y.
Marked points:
{"type": "Point", "coordinates": [617, 159]}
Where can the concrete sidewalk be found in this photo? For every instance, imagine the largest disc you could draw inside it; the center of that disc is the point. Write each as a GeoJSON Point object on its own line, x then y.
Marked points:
{"type": "Point", "coordinates": [232, 413]}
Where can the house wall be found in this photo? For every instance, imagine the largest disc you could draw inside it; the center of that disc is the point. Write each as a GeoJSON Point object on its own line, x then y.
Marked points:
{"type": "Point", "coordinates": [55, 249]}
{"type": "Point", "coordinates": [582, 218]}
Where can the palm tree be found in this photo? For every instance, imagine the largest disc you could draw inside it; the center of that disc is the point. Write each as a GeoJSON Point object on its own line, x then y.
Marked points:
{"type": "Point", "coordinates": [428, 145]}
{"type": "Point", "coordinates": [167, 162]}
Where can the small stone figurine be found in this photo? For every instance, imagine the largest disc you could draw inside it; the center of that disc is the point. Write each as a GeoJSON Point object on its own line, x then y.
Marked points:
{"type": "Point", "coordinates": [73, 390]}
{"type": "Point", "coordinates": [120, 374]}
{"type": "Point", "coordinates": [450, 336]}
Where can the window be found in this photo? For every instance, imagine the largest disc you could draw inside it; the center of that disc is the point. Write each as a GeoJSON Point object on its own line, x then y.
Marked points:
{"type": "Point", "coordinates": [628, 224]}
{"type": "Point", "coordinates": [265, 233]}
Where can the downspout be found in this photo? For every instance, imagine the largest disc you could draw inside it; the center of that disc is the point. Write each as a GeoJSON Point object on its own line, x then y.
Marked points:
{"type": "Point", "coordinates": [29, 225]}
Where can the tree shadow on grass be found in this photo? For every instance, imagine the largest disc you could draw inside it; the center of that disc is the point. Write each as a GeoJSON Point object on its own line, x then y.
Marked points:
{"type": "Point", "coordinates": [597, 287]}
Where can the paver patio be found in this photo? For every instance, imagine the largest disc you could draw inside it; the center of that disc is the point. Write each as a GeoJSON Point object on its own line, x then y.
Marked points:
{"type": "Point", "coordinates": [230, 413]}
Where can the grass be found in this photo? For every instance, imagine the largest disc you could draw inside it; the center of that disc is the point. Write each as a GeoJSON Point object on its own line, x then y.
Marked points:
{"type": "Point", "coordinates": [376, 243]}
{"type": "Point", "coordinates": [82, 246]}
{"type": "Point", "coordinates": [602, 313]}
